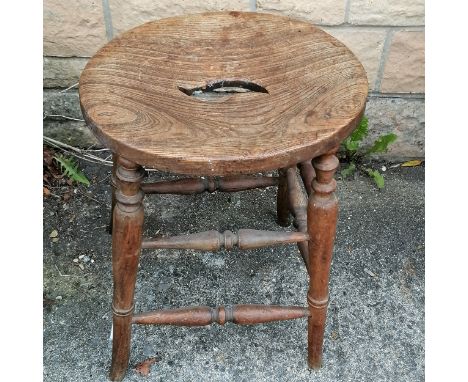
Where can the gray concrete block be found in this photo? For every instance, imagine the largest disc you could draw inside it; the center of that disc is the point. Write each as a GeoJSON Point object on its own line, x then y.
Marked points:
{"type": "Point", "coordinates": [73, 133]}
{"type": "Point", "coordinates": [67, 103]}
{"type": "Point", "coordinates": [402, 116]}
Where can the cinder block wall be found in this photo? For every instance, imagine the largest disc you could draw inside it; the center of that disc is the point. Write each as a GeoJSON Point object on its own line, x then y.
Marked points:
{"type": "Point", "coordinates": [386, 35]}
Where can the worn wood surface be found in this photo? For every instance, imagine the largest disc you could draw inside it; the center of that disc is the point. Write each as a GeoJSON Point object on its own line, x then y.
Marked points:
{"type": "Point", "coordinates": [223, 93]}
{"type": "Point", "coordinates": [238, 314]}
{"type": "Point", "coordinates": [297, 200]}
{"type": "Point", "coordinates": [210, 184]}
{"type": "Point", "coordinates": [322, 214]}
{"type": "Point", "coordinates": [307, 174]}
{"type": "Point", "coordinates": [126, 243]}
{"type": "Point", "coordinates": [282, 202]}
{"type": "Point", "coordinates": [113, 183]}
{"type": "Point", "coordinates": [214, 240]}
{"type": "Point", "coordinates": [298, 208]}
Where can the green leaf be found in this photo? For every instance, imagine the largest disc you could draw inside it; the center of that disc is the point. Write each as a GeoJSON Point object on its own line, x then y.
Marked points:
{"type": "Point", "coordinates": [378, 178]}
{"type": "Point", "coordinates": [70, 169]}
{"type": "Point", "coordinates": [349, 170]}
{"type": "Point", "coordinates": [382, 143]}
{"type": "Point", "coordinates": [351, 146]}
{"type": "Point", "coordinates": [361, 131]}
{"type": "Point", "coordinates": [352, 143]}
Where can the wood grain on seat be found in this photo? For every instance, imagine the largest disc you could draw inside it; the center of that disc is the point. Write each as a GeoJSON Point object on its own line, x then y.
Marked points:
{"type": "Point", "coordinates": [223, 93]}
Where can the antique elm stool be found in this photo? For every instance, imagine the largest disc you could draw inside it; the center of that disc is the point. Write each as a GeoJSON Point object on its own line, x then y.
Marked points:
{"type": "Point", "coordinates": [217, 96]}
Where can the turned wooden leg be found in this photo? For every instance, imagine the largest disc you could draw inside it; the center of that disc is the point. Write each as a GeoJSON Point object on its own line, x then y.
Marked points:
{"type": "Point", "coordinates": [322, 212]}
{"type": "Point", "coordinates": [307, 174]}
{"type": "Point", "coordinates": [126, 244]}
{"type": "Point", "coordinates": [113, 187]}
{"type": "Point", "coordinates": [282, 208]}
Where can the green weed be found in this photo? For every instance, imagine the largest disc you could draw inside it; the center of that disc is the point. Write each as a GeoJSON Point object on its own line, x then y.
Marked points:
{"type": "Point", "coordinates": [355, 156]}
{"type": "Point", "coordinates": [70, 169]}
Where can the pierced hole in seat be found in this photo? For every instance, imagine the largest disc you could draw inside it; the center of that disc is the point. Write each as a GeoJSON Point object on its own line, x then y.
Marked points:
{"type": "Point", "coordinates": [222, 87]}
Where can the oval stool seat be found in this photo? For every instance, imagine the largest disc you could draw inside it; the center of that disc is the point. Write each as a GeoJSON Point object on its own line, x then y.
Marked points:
{"type": "Point", "coordinates": [223, 93]}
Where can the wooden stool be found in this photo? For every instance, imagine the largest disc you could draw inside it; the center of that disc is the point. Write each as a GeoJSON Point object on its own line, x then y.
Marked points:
{"type": "Point", "coordinates": [217, 96]}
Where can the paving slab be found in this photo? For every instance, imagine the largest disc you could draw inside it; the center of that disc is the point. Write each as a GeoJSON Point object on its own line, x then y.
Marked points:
{"type": "Point", "coordinates": [375, 326]}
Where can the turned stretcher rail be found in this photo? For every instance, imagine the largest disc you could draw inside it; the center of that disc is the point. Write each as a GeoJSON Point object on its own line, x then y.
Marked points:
{"type": "Point", "coordinates": [298, 208]}
{"type": "Point", "coordinates": [204, 315]}
{"type": "Point", "coordinates": [211, 184]}
{"type": "Point", "coordinates": [214, 240]}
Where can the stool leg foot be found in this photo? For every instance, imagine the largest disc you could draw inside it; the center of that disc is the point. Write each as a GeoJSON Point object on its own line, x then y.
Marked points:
{"type": "Point", "coordinates": [282, 208]}
{"type": "Point", "coordinates": [113, 188]}
{"type": "Point", "coordinates": [322, 213]}
{"type": "Point", "coordinates": [126, 245]}
{"type": "Point", "coordinates": [120, 347]}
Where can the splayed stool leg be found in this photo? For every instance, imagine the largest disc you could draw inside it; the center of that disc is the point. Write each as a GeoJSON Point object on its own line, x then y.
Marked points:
{"type": "Point", "coordinates": [126, 245]}
{"type": "Point", "coordinates": [322, 212]}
